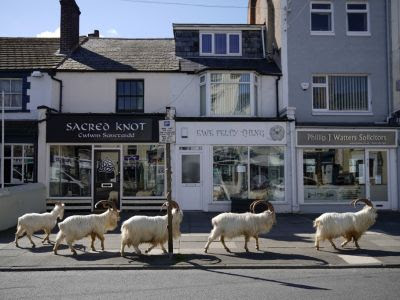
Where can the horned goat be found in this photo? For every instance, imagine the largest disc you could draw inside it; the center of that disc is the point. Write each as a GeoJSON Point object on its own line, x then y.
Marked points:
{"type": "Point", "coordinates": [32, 222]}
{"type": "Point", "coordinates": [249, 224]}
{"type": "Point", "coordinates": [152, 230]}
{"type": "Point", "coordinates": [75, 228]}
{"type": "Point", "coordinates": [349, 225]}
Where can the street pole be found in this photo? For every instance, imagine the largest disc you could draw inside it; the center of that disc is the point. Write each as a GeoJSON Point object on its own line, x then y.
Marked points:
{"type": "Point", "coordinates": [169, 198]}
{"type": "Point", "coordinates": [2, 141]}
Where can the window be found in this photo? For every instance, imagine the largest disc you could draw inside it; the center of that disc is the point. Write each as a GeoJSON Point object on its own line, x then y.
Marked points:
{"type": "Point", "coordinates": [242, 172]}
{"type": "Point", "coordinates": [70, 171]}
{"type": "Point", "coordinates": [12, 93]}
{"type": "Point", "coordinates": [228, 94]}
{"type": "Point", "coordinates": [143, 170]}
{"type": "Point", "coordinates": [337, 93]}
{"type": "Point", "coordinates": [19, 166]}
{"type": "Point", "coordinates": [130, 95]}
{"type": "Point", "coordinates": [220, 43]}
{"type": "Point", "coordinates": [321, 18]}
{"type": "Point", "coordinates": [357, 18]}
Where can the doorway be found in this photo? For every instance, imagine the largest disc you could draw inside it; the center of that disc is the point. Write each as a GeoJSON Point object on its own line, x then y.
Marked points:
{"type": "Point", "coordinates": [107, 176]}
{"type": "Point", "coordinates": [378, 178]}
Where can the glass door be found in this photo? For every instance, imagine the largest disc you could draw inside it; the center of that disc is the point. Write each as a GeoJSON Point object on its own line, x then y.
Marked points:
{"type": "Point", "coordinates": [106, 176]}
{"type": "Point", "coordinates": [189, 181]}
{"type": "Point", "coordinates": [377, 176]}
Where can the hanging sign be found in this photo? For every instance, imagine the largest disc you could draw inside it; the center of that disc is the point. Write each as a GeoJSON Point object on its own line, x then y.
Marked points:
{"type": "Point", "coordinates": [167, 131]}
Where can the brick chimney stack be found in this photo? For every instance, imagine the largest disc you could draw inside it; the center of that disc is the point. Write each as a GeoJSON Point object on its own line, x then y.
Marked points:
{"type": "Point", "coordinates": [69, 28]}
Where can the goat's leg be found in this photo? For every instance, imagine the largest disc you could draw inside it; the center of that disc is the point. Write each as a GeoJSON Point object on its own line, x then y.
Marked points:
{"type": "Point", "coordinates": [316, 244]}
{"type": "Point", "coordinates": [246, 240]}
{"type": "Point", "coordinates": [356, 243]}
{"type": "Point", "coordinates": [257, 245]}
{"type": "Point", "coordinates": [69, 242]}
{"type": "Point", "coordinates": [122, 251]}
{"type": "Point", "coordinates": [29, 235]}
{"type": "Point", "coordinates": [213, 235]}
{"type": "Point", "coordinates": [222, 239]}
{"type": "Point", "coordinates": [101, 238]}
{"type": "Point", "coordinates": [59, 239]}
{"type": "Point", "coordinates": [93, 237]}
{"type": "Point", "coordinates": [152, 247]}
{"type": "Point", "coordinates": [163, 248]}
{"type": "Point", "coordinates": [137, 250]}
{"type": "Point", "coordinates": [18, 235]}
{"type": "Point", "coordinates": [346, 241]}
{"type": "Point", "coordinates": [333, 245]}
{"type": "Point", "coordinates": [47, 232]}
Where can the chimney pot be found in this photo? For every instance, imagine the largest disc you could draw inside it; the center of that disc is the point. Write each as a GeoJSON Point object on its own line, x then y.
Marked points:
{"type": "Point", "coordinates": [95, 34]}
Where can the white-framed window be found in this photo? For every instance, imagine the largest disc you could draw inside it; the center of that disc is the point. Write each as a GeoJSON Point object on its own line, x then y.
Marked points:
{"type": "Point", "coordinates": [12, 88]}
{"type": "Point", "coordinates": [340, 93]}
{"type": "Point", "coordinates": [220, 43]}
{"type": "Point", "coordinates": [321, 18]}
{"type": "Point", "coordinates": [228, 94]}
{"type": "Point", "coordinates": [357, 18]}
{"type": "Point", "coordinates": [19, 163]}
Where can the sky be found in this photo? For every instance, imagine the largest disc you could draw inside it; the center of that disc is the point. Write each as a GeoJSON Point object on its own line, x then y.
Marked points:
{"type": "Point", "coordinates": [116, 18]}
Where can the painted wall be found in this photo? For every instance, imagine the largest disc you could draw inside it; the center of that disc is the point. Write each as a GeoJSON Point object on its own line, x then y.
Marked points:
{"type": "Point", "coordinates": [309, 54]}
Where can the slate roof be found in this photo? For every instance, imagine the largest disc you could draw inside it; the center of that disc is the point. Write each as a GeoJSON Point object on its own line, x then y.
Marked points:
{"type": "Point", "coordinates": [29, 53]}
{"type": "Point", "coordinates": [135, 55]}
{"type": "Point", "coordinates": [198, 64]}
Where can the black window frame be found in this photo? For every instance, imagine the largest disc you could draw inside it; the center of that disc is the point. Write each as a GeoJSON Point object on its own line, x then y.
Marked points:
{"type": "Point", "coordinates": [117, 96]}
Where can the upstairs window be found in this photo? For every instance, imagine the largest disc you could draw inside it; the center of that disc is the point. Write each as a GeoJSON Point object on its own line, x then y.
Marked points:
{"type": "Point", "coordinates": [228, 94]}
{"type": "Point", "coordinates": [12, 93]}
{"type": "Point", "coordinates": [357, 18]}
{"type": "Point", "coordinates": [220, 43]}
{"type": "Point", "coordinates": [130, 95]}
{"type": "Point", "coordinates": [321, 18]}
{"type": "Point", "coordinates": [340, 93]}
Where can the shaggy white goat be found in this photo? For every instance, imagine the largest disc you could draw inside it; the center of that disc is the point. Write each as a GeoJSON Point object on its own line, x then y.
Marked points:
{"type": "Point", "coordinates": [153, 230]}
{"type": "Point", "coordinates": [75, 228]}
{"type": "Point", "coordinates": [349, 225]}
{"type": "Point", "coordinates": [249, 224]}
{"type": "Point", "coordinates": [32, 222]}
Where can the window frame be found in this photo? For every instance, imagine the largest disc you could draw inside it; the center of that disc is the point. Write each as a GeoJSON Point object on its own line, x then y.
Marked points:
{"type": "Point", "coordinates": [23, 158]}
{"type": "Point", "coordinates": [331, 11]}
{"type": "Point", "coordinates": [366, 10]}
{"type": "Point", "coordinates": [207, 83]}
{"type": "Point", "coordinates": [339, 112]}
{"type": "Point", "coordinates": [14, 108]}
{"type": "Point", "coordinates": [116, 95]}
{"type": "Point", "coordinates": [213, 33]}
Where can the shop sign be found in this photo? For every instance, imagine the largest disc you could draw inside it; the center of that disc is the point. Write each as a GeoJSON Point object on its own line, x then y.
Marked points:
{"type": "Point", "coordinates": [83, 128]}
{"type": "Point", "coordinates": [167, 131]}
{"type": "Point", "coordinates": [346, 138]}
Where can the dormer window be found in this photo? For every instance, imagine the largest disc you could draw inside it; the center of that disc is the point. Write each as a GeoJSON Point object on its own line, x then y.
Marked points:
{"type": "Point", "coordinates": [220, 43]}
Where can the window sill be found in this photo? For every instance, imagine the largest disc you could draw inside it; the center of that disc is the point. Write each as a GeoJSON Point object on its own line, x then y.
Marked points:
{"type": "Point", "coordinates": [17, 111]}
{"type": "Point", "coordinates": [340, 113]}
{"type": "Point", "coordinates": [329, 33]}
{"type": "Point", "coordinates": [358, 33]}
{"type": "Point", "coordinates": [219, 55]}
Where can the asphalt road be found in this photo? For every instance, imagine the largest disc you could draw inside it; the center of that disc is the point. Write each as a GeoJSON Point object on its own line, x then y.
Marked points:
{"type": "Point", "coordinates": [203, 284]}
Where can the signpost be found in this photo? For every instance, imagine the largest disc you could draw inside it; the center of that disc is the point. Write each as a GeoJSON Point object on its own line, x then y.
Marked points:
{"type": "Point", "coordinates": [167, 136]}
{"type": "Point", "coordinates": [2, 141]}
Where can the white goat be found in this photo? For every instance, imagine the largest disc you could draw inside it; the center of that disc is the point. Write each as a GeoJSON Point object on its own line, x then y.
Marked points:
{"type": "Point", "coordinates": [32, 222]}
{"type": "Point", "coordinates": [249, 224]}
{"type": "Point", "coordinates": [153, 230]}
{"type": "Point", "coordinates": [349, 225]}
{"type": "Point", "coordinates": [75, 228]}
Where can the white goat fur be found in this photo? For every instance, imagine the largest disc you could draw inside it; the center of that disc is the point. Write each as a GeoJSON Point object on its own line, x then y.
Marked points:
{"type": "Point", "coordinates": [231, 225]}
{"type": "Point", "coordinates": [75, 228]}
{"type": "Point", "coordinates": [153, 230]}
{"type": "Point", "coordinates": [33, 222]}
{"type": "Point", "coordinates": [349, 225]}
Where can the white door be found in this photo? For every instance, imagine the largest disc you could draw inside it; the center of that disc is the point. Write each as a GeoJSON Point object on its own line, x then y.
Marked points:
{"type": "Point", "coordinates": [190, 181]}
{"type": "Point", "coordinates": [377, 176]}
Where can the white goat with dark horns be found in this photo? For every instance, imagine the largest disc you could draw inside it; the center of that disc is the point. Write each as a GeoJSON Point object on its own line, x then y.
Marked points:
{"type": "Point", "coordinates": [249, 224]}
{"type": "Point", "coordinates": [349, 225]}
{"type": "Point", "coordinates": [32, 222]}
{"type": "Point", "coordinates": [152, 230]}
{"type": "Point", "coordinates": [75, 228]}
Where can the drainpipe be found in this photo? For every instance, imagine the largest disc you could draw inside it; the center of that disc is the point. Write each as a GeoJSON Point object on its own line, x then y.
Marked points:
{"type": "Point", "coordinates": [389, 59]}
{"type": "Point", "coordinates": [263, 42]}
{"type": "Point", "coordinates": [277, 94]}
{"type": "Point", "coordinates": [61, 89]}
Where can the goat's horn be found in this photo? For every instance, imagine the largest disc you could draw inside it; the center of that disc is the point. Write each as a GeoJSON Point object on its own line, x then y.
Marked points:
{"type": "Point", "coordinates": [114, 206]}
{"type": "Point", "coordinates": [270, 206]}
{"type": "Point", "coordinates": [252, 205]}
{"type": "Point", "coordinates": [175, 204]}
{"type": "Point", "coordinates": [257, 203]}
{"type": "Point", "coordinates": [163, 205]}
{"type": "Point", "coordinates": [366, 201]}
{"type": "Point", "coordinates": [105, 203]}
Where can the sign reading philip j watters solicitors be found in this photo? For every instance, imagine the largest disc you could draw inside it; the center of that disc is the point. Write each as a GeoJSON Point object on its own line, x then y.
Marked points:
{"type": "Point", "coordinates": [346, 138]}
{"type": "Point", "coordinates": [75, 128]}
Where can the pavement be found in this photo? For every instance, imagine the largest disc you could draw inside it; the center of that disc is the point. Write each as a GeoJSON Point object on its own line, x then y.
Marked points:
{"type": "Point", "coordinates": [288, 245]}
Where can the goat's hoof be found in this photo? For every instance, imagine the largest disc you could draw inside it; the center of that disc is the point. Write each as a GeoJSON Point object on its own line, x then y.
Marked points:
{"type": "Point", "coordinates": [33, 246]}
{"type": "Point", "coordinates": [93, 249]}
{"type": "Point", "coordinates": [55, 252]}
{"type": "Point", "coordinates": [205, 250]}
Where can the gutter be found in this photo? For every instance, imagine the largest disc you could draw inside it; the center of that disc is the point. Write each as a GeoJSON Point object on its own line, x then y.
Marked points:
{"type": "Point", "coordinates": [277, 94]}
{"type": "Point", "coordinates": [61, 92]}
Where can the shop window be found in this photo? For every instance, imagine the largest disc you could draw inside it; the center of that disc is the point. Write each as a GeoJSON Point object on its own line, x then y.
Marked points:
{"type": "Point", "coordinates": [19, 163]}
{"type": "Point", "coordinates": [143, 170]}
{"type": "Point", "coordinates": [220, 43]}
{"type": "Point", "coordinates": [340, 93]}
{"type": "Point", "coordinates": [130, 96]}
{"type": "Point", "coordinates": [230, 94]}
{"type": "Point", "coordinates": [70, 171]}
{"type": "Point", "coordinates": [12, 93]}
{"type": "Point", "coordinates": [333, 175]}
{"type": "Point", "coordinates": [242, 172]}
{"type": "Point", "coordinates": [357, 18]}
{"type": "Point", "coordinates": [321, 18]}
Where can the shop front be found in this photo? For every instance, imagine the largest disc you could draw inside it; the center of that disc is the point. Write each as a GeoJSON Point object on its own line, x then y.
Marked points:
{"type": "Point", "coordinates": [223, 164]}
{"type": "Point", "coordinates": [336, 166]}
{"type": "Point", "coordinates": [93, 157]}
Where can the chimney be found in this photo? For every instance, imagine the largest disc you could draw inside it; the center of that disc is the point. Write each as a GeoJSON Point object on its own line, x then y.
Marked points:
{"type": "Point", "coordinates": [95, 34]}
{"type": "Point", "coordinates": [69, 28]}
